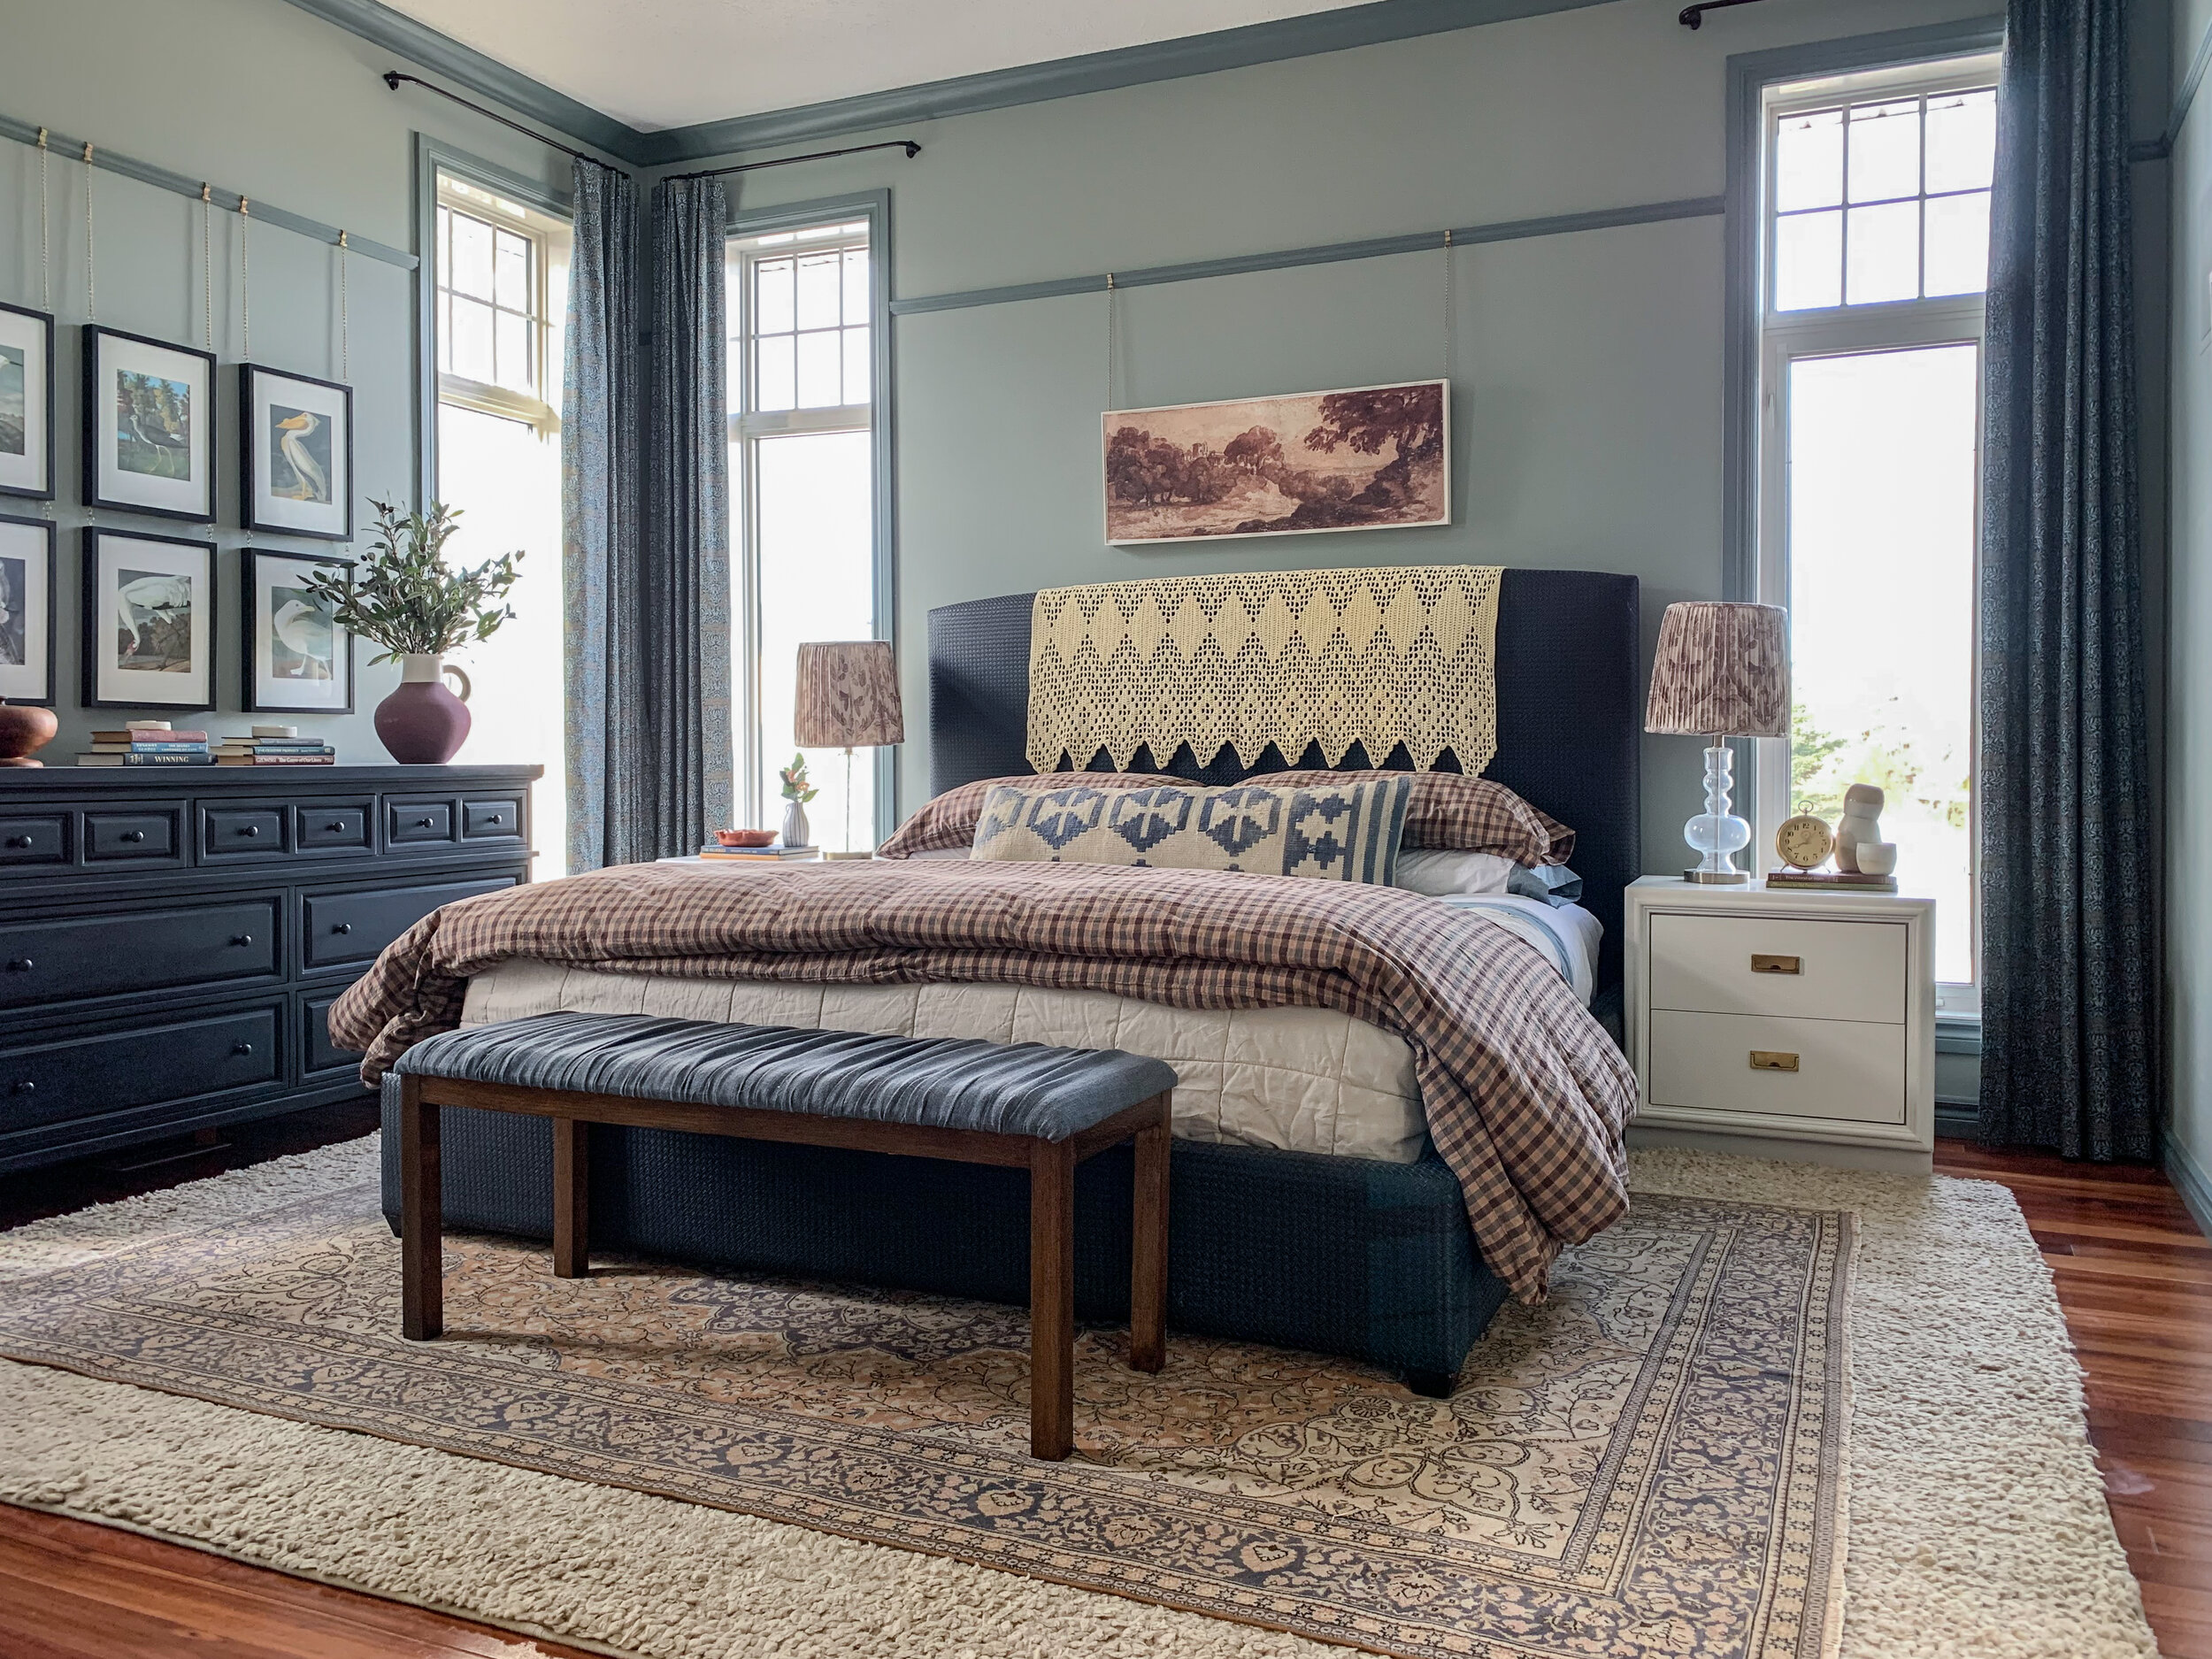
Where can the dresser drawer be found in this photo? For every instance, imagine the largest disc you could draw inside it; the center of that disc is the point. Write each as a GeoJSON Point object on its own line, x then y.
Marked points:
{"type": "Point", "coordinates": [408, 821]}
{"type": "Point", "coordinates": [231, 832]}
{"type": "Point", "coordinates": [92, 1076]}
{"type": "Point", "coordinates": [1842, 1070]}
{"type": "Point", "coordinates": [491, 820]}
{"type": "Point", "coordinates": [106, 955]}
{"type": "Point", "coordinates": [1775, 965]}
{"type": "Point", "coordinates": [354, 927]}
{"type": "Point", "coordinates": [329, 828]}
{"type": "Point", "coordinates": [146, 833]}
{"type": "Point", "coordinates": [317, 1053]}
{"type": "Point", "coordinates": [35, 840]}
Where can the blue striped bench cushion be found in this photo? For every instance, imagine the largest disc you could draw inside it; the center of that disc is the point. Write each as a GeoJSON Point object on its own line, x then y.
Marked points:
{"type": "Point", "coordinates": [948, 1083]}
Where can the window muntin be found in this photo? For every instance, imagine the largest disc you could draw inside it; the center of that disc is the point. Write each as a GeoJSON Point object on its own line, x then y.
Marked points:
{"type": "Point", "coordinates": [499, 290]}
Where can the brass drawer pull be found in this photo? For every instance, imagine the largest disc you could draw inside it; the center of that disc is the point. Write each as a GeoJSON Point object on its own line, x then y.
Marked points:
{"type": "Point", "coordinates": [1772, 1060]}
{"type": "Point", "coordinates": [1776, 965]}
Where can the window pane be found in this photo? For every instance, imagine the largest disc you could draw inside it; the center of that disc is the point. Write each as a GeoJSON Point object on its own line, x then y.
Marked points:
{"type": "Point", "coordinates": [819, 384]}
{"type": "Point", "coordinates": [445, 247]}
{"type": "Point", "coordinates": [817, 582]}
{"type": "Point", "coordinates": [442, 314]}
{"type": "Point", "coordinates": [1885, 150]}
{"type": "Point", "coordinates": [1881, 595]}
{"type": "Point", "coordinates": [1809, 161]}
{"type": "Point", "coordinates": [471, 272]}
{"type": "Point", "coordinates": [856, 366]}
{"type": "Point", "coordinates": [1958, 243]}
{"type": "Point", "coordinates": [1885, 254]}
{"type": "Point", "coordinates": [511, 271]}
{"type": "Point", "coordinates": [472, 339]}
{"type": "Point", "coordinates": [818, 284]}
{"type": "Point", "coordinates": [513, 339]}
{"type": "Point", "coordinates": [1962, 140]}
{"type": "Point", "coordinates": [1807, 261]}
{"type": "Point", "coordinates": [772, 301]}
{"type": "Point", "coordinates": [856, 285]}
{"type": "Point", "coordinates": [772, 368]}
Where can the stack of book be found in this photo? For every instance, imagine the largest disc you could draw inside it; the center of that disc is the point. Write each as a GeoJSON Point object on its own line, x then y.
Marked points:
{"type": "Point", "coordinates": [275, 746]}
{"type": "Point", "coordinates": [755, 854]}
{"type": "Point", "coordinates": [147, 743]}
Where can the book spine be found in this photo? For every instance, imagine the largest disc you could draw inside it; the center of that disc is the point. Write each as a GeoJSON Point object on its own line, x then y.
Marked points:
{"type": "Point", "coordinates": [278, 760]}
{"type": "Point", "coordinates": [202, 758]}
{"type": "Point", "coordinates": [164, 749]}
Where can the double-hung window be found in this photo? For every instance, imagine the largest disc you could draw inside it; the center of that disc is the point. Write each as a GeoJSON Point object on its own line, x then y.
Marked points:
{"type": "Point", "coordinates": [1874, 223]}
{"type": "Point", "coordinates": [804, 362]}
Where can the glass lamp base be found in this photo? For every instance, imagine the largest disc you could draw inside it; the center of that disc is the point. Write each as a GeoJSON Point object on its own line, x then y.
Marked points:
{"type": "Point", "coordinates": [1719, 877]}
{"type": "Point", "coordinates": [1716, 833]}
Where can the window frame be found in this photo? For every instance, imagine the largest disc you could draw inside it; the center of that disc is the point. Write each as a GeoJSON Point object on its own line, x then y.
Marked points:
{"type": "Point", "coordinates": [874, 208]}
{"type": "Point", "coordinates": [489, 397]}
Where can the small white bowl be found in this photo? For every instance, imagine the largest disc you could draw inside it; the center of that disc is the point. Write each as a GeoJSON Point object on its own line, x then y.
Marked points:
{"type": "Point", "coordinates": [1877, 858]}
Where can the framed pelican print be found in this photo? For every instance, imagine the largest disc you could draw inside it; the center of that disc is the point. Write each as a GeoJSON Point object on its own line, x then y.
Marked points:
{"type": "Point", "coordinates": [27, 404]}
{"type": "Point", "coordinates": [298, 659]}
{"type": "Point", "coordinates": [148, 621]}
{"type": "Point", "coordinates": [148, 426]}
{"type": "Point", "coordinates": [295, 442]}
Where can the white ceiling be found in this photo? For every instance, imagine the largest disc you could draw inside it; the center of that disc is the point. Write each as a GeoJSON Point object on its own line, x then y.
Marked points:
{"type": "Point", "coordinates": [671, 63]}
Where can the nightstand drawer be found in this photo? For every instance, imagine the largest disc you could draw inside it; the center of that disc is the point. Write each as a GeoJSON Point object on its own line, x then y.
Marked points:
{"type": "Point", "coordinates": [1777, 967]}
{"type": "Point", "coordinates": [1843, 1071]}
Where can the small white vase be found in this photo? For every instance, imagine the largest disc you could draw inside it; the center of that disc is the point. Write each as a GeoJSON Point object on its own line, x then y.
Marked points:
{"type": "Point", "coordinates": [796, 828]}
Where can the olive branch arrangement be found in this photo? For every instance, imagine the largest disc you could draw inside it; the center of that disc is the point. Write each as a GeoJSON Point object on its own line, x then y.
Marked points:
{"type": "Point", "coordinates": [404, 599]}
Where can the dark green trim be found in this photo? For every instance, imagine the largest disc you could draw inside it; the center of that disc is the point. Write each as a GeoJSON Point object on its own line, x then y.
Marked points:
{"type": "Point", "coordinates": [2189, 1181]}
{"type": "Point", "coordinates": [1329, 253]}
{"type": "Point", "coordinates": [2185, 94]}
{"type": "Point", "coordinates": [1956, 1121]}
{"type": "Point", "coordinates": [425, 48]}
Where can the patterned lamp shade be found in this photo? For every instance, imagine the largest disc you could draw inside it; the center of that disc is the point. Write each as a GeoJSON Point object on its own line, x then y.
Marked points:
{"type": "Point", "coordinates": [849, 695]}
{"type": "Point", "coordinates": [1722, 671]}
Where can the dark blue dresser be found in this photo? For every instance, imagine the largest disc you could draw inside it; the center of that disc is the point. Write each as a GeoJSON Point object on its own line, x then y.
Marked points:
{"type": "Point", "coordinates": [172, 939]}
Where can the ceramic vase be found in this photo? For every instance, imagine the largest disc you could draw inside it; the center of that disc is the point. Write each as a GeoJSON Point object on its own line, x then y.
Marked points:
{"type": "Point", "coordinates": [796, 828]}
{"type": "Point", "coordinates": [24, 726]}
{"type": "Point", "coordinates": [422, 724]}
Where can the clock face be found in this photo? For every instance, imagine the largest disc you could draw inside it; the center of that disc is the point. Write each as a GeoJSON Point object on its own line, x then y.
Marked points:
{"type": "Point", "coordinates": [1804, 841]}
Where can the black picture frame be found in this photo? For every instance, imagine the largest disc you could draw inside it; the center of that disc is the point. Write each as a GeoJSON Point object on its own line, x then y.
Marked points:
{"type": "Point", "coordinates": [11, 523]}
{"type": "Point", "coordinates": [253, 441]}
{"type": "Point", "coordinates": [96, 341]}
{"type": "Point", "coordinates": [253, 634]}
{"type": "Point", "coordinates": [93, 608]}
{"type": "Point", "coordinates": [45, 321]}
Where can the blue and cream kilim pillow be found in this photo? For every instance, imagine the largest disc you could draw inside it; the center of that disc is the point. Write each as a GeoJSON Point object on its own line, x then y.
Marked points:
{"type": "Point", "coordinates": [1332, 832]}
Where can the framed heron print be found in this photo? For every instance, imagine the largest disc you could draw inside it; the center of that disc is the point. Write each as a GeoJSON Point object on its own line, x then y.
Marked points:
{"type": "Point", "coordinates": [298, 657]}
{"type": "Point", "coordinates": [295, 446]}
{"type": "Point", "coordinates": [148, 621]}
{"type": "Point", "coordinates": [148, 426]}
{"type": "Point", "coordinates": [27, 404]}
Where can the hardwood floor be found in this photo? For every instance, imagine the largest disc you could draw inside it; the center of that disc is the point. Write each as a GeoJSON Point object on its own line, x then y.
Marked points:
{"type": "Point", "coordinates": [2134, 1276]}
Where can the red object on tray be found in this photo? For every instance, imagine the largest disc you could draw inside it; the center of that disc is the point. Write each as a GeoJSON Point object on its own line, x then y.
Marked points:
{"type": "Point", "coordinates": [746, 838]}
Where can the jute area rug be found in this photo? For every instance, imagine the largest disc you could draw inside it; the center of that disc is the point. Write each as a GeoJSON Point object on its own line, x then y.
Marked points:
{"type": "Point", "coordinates": [663, 1461]}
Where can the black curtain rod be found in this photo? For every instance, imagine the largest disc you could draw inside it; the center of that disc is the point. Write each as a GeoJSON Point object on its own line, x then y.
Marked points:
{"type": "Point", "coordinates": [911, 148]}
{"type": "Point", "coordinates": [1694, 17]}
{"type": "Point", "coordinates": [392, 78]}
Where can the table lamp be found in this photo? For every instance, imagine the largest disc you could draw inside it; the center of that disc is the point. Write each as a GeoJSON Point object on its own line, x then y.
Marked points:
{"type": "Point", "coordinates": [1722, 671]}
{"type": "Point", "coordinates": [847, 699]}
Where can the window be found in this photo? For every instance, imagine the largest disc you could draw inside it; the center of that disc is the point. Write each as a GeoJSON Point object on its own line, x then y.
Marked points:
{"type": "Point", "coordinates": [499, 270]}
{"type": "Point", "coordinates": [803, 344]}
{"type": "Point", "coordinates": [1874, 254]}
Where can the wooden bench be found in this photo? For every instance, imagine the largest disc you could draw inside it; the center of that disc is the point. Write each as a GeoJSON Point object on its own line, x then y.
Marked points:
{"type": "Point", "coordinates": [1022, 1105]}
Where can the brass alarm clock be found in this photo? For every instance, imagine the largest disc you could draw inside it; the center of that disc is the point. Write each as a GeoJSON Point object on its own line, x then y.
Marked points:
{"type": "Point", "coordinates": [1804, 842]}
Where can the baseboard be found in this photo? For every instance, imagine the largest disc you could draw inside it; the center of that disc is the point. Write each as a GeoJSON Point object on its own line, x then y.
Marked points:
{"type": "Point", "coordinates": [2190, 1181]}
{"type": "Point", "coordinates": [1957, 1120]}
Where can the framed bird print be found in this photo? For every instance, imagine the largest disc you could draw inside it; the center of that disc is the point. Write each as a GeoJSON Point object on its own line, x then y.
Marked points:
{"type": "Point", "coordinates": [148, 426]}
{"type": "Point", "coordinates": [27, 404]}
{"type": "Point", "coordinates": [296, 444]}
{"type": "Point", "coordinates": [148, 621]}
{"type": "Point", "coordinates": [27, 609]}
{"type": "Point", "coordinates": [298, 658]}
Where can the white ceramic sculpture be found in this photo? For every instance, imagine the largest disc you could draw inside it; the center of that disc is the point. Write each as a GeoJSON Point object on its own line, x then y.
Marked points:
{"type": "Point", "coordinates": [1862, 821]}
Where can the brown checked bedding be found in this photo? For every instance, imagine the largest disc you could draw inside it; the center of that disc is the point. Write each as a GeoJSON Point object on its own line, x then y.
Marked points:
{"type": "Point", "coordinates": [1525, 1095]}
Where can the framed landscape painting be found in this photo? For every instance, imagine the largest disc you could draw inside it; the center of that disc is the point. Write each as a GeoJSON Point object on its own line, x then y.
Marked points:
{"type": "Point", "coordinates": [27, 404]}
{"type": "Point", "coordinates": [296, 446]}
{"type": "Point", "coordinates": [148, 427]}
{"type": "Point", "coordinates": [1371, 458]}
{"type": "Point", "coordinates": [297, 659]}
{"type": "Point", "coordinates": [148, 621]}
{"type": "Point", "coordinates": [27, 609]}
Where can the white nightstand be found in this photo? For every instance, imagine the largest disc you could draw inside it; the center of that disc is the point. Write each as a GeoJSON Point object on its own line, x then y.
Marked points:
{"type": "Point", "coordinates": [1783, 1024]}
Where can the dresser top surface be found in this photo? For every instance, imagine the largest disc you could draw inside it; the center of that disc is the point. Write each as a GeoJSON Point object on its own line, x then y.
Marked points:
{"type": "Point", "coordinates": [17, 782]}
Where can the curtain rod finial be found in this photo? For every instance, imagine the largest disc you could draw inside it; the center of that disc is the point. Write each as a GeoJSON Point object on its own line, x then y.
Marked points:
{"type": "Point", "coordinates": [912, 150]}
{"type": "Point", "coordinates": [392, 78]}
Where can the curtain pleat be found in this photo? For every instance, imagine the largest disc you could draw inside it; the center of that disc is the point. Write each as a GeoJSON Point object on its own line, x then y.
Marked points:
{"type": "Point", "coordinates": [2070, 1014]}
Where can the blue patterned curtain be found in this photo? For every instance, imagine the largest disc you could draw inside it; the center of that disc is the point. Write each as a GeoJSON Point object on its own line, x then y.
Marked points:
{"type": "Point", "coordinates": [609, 816]}
{"type": "Point", "coordinates": [2070, 983]}
{"type": "Point", "coordinates": [686, 689]}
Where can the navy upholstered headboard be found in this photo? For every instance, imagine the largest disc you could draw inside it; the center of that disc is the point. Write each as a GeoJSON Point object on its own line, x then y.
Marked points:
{"type": "Point", "coordinates": [1569, 718]}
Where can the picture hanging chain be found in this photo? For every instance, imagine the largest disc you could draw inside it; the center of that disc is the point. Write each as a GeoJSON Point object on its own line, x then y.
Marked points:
{"type": "Point", "coordinates": [1113, 304]}
{"type": "Point", "coordinates": [1447, 304]}
{"type": "Point", "coordinates": [91, 311]}
{"type": "Point", "coordinates": [345, 313]}
{"type": "Point", "coordinates": [207, 267]}
{"type": "Point", "coordinates": [245, 281]}
{"type": "Point", "coordinates": [45, 254]}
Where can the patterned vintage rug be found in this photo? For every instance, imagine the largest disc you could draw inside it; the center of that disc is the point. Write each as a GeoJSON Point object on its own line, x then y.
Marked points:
{"type": "Point", "coordinates": [1651, 1463]}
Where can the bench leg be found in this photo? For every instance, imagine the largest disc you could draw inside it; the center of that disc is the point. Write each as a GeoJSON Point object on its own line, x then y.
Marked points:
{"type": "Point", "coordinates": [1147, 1259]}
{"type": "Point", "coordinates": [572, 1198]}
{"type": "Point", "coordinates": [1052, 1299]}
{"type": "Point", "coordinates": [421, 1218]}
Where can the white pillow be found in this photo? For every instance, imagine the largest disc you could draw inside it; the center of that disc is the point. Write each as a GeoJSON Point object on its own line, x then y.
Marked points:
{"type": "Point", "coordinates": [1440, 873]}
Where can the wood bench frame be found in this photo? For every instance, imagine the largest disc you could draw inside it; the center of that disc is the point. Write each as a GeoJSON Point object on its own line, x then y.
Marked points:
{"type": "Point", "coordinates": [1051, 1167]}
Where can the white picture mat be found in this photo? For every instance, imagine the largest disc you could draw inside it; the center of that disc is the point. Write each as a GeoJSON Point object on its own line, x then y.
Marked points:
{"type": "Point", "coordinates": [29, 682]}
{"type": "Point", "coordinates": [143, 687]}
{"type": "Point", "coordinates": [193, 495]}
{"type": "Point", "coordinates": [275, 512]}
{"type": "Point", "coordinates": [272, 572]}
{"type": "Point", "coordinates": [28, 471]}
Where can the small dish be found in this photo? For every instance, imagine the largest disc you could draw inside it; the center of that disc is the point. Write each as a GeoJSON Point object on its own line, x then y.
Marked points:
{"type": "Point", "coordinates": [746, 838]}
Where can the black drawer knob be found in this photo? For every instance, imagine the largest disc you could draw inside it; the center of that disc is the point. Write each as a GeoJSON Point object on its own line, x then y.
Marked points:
{"type": "Point", "coordinates": [342, 927]}
{"type": "Point", "coordinates": [133, 835]}
{"type": "Point", "coordinates": [242, 1048]}
{"type": "Point", "coordinates": [21, 964]}
{"type": "Point", "coordinates": [241, 938]}
{"type": "Point", "coordinates": [24, 1087]}
{"type": "Point", "coordinates": [335, 827]}
{"type": "Point", "coordinates": [424, 822]}
{"type": "Point", "coordinates": [19, 841]}
{"type": "Point", "coordinates": [499, 817]}
{"type": "Point", "coordinates": [250, 829]}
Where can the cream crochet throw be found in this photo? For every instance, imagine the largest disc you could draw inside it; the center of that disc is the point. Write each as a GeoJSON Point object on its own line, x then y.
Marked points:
{"type": "Point", "coordinates": [1379, 657]}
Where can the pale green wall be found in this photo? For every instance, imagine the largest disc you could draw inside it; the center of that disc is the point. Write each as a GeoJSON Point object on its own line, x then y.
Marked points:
{"type": "Point", "coordinates": [259, 97]}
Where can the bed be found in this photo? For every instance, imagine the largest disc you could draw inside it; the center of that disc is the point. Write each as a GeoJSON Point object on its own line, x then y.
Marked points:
{"type": "Point", "coordinates": [1310, 1209]}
